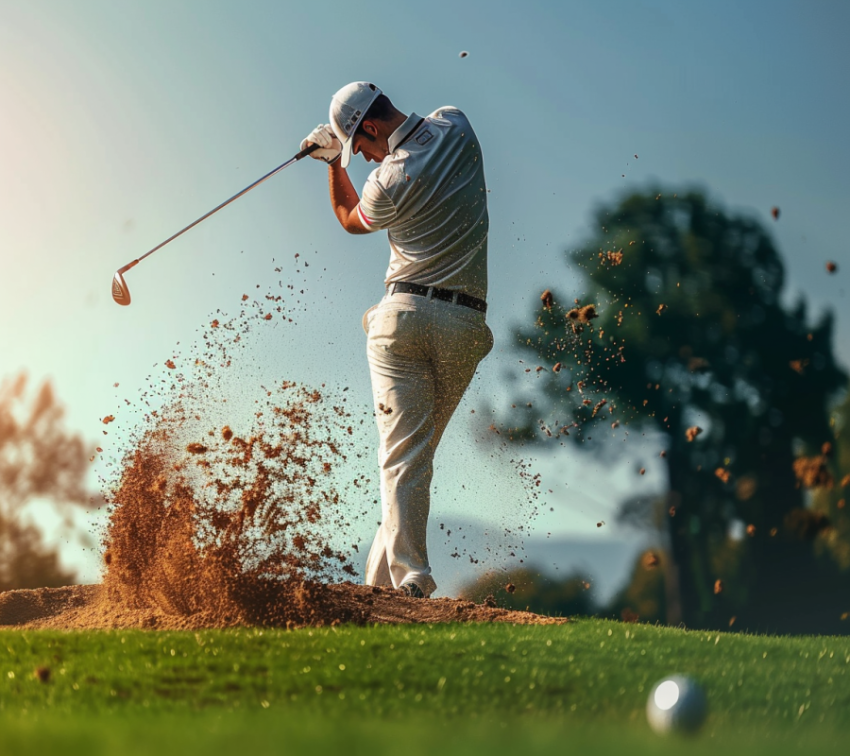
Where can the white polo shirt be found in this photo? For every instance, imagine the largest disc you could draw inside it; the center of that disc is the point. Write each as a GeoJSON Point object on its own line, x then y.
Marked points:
{"type": "Point", "coordinates": [430, 196]}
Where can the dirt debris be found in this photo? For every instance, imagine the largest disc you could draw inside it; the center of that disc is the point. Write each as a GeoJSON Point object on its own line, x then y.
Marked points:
{"type": "Point", "coordinates": [722, 474]}
{"type": "Point", "coordinates": [612, 258]}
{"type": "Point", "coordinates": [247, 522]}
{"type": "Point", "coordinates": [219, 526]}
{"type": "Point", "coordinates": [650, 560]}
{"type": "Point", "coordinates": [582, 314]}
{"type": "Point", "coordinates": [629, 615]}
{"type": "Point", "coordinates": [692, 432]}
{"type": "Point", "coordinates": [813, 472]}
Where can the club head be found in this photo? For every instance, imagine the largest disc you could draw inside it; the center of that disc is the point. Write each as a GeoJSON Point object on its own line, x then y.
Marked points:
{"type": "Point", "coordinates": [120, 292]}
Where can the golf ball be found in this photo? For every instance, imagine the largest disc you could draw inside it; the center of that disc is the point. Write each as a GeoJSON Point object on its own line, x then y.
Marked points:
{"type": "Point", "coordinates": [676, 704]}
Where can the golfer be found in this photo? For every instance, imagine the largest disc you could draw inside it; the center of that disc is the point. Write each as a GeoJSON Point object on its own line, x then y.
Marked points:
{"type": "Point", "coordinates": [427, 335]}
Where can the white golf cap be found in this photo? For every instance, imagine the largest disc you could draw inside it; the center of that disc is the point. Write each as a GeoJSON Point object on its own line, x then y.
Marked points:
{"type": "Point", "coordinates": [348, 106]}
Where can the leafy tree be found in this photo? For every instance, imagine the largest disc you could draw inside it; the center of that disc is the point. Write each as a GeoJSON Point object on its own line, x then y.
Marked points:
{"type": "Point", "coordinates": [683, 333]}
{"type": "Point", "coordinates": [38, 459]}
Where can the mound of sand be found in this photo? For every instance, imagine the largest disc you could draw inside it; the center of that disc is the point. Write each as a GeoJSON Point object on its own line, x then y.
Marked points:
{"type": "Point", "coordinates": [81, 607]}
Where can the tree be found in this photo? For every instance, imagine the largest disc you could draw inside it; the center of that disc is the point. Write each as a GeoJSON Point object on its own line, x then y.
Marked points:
{"type": "Point", "coordinates": [686, 336]}
{"type": "Point", "coordinates": [38, 459]}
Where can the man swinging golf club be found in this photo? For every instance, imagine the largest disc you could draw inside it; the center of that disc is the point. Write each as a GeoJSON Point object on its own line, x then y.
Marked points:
{"type": "Point", "coordinates": [427, 335]}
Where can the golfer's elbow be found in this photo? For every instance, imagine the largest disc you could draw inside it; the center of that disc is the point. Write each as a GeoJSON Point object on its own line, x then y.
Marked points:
{"type": "Point", "coordinates": [350, 221]}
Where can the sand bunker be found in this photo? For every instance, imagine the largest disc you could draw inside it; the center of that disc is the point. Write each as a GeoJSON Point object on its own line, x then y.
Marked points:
{"type": "Point", "coordinates": [90, 607]}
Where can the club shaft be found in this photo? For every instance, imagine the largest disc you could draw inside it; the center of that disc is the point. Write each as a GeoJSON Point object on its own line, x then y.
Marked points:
{"type": "Point", "coordinates": [247, 189]}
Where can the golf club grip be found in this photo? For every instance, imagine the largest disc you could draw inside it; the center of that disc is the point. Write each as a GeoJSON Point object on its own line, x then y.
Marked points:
{"type": "Point", "coordinates": [306, 151]}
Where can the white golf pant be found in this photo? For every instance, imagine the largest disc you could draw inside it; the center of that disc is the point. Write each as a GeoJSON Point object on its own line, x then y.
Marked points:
{"type": "Point", "coordinates": [422, 355]}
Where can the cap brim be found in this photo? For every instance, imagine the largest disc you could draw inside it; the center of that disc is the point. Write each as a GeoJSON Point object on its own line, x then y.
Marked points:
{"type": "Point", "coordinates": [345, 157]}
{"type": "Point", "coordinates": [349, 143]}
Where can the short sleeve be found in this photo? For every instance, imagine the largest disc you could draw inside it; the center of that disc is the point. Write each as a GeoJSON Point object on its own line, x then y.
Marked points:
{"type": "Point", "coordinates": [376, 209]}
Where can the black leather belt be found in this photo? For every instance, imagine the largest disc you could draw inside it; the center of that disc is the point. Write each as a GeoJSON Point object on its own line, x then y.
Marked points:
{"type": "Point", "coordinates": [445, 295]}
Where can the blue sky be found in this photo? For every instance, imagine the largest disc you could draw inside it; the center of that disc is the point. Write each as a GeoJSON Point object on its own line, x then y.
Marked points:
{"type": "Point", "coordinates": [124, 121]}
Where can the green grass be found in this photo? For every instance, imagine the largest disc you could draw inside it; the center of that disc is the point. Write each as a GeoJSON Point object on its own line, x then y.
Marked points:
{"type": "Point", "coordinates": [456, 689]}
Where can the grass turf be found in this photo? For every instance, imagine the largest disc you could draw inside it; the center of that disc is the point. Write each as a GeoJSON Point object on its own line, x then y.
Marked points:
{"type": "Point", "coordinates": [451, 689]}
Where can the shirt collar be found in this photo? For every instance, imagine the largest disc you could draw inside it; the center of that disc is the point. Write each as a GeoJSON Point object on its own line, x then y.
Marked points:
{"type": "Point", "coordinates": [403, 131]}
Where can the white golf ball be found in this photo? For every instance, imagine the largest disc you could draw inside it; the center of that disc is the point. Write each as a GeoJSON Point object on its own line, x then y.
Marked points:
{"type": "Point", "coordinates": [676, 704]}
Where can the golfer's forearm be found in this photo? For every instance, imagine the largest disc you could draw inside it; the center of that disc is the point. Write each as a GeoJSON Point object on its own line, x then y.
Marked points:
{"type": "Point", "coordinates": [344, 199]}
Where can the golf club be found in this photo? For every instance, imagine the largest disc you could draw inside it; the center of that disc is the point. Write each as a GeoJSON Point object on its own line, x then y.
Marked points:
{"type": "Point", "coordinates": [120, 292]}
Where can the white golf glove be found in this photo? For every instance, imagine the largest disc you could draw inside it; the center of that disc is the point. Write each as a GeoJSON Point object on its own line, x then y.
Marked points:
{"type": "Point", "coordinates": [330, 146]}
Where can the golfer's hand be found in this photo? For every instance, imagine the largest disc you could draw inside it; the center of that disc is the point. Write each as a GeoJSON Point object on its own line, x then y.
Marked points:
{"type": "Point", "coordinates": [329, 146]}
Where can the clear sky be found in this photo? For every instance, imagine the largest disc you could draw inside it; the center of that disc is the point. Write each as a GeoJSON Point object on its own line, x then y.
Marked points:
{"type": "Point", "coordinates": [121, 122]}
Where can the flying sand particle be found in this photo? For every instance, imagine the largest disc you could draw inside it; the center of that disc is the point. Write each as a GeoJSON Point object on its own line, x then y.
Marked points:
{"type": "Point", "coordinates": [583, 314]}
{"type": "Point", "coordinates": [723, 474]}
